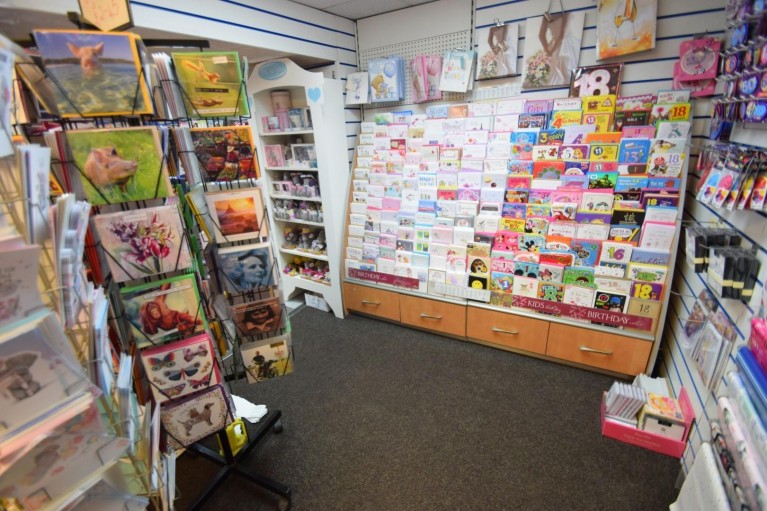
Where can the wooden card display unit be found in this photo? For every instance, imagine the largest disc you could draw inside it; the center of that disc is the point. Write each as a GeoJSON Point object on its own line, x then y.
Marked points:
{"type": "Point", "coordinates": [459, 220]}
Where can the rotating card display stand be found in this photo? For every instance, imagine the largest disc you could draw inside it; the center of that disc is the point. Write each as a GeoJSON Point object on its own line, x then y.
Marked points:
{"type": "Point", "coordinates": [231, 461]}
{"type": "Point", "coordinates": [68, 167]}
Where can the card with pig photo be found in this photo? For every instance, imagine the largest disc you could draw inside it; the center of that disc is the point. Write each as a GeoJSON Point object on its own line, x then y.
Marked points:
{"type": "Point", "coordinates": [143, 242]}
{"type": "Point", "coordinates": [93, 73]}
{"type": "Point", "coordinates": [225, 153]}
{"type": "Point", "coordinates": [191, 419]}
{"type": "Point", "coordinates": [119, 165]}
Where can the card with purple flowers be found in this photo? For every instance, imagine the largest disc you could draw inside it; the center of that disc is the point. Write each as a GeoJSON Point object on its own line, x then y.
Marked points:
{"type": "Point", "coordinates": [144, 242]}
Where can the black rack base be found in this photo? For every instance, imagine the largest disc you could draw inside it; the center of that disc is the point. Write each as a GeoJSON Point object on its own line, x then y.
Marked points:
{"type": "Point", "coordinates": [231, 463]}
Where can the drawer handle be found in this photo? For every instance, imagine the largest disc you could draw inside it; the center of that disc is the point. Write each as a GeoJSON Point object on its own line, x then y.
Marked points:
{"type": "Point", "coordinates": [368, 302]}
{"type": "Point", "coordinates": [429, 316]}
{"type": "Point", "coordinates": [592, 350]}
{"type": "Point", "coordinates": [502, 331]}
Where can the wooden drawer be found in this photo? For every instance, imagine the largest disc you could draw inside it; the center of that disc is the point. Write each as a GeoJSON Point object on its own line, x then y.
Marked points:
{"type": "Point", "coordinates": [616, 353]}
{"type": "Point", "coordinates": [506, 329]}
{"type": "Point", "coordinates": [447, 318]}
{"type": "Point", "coordinates": [373, 301]}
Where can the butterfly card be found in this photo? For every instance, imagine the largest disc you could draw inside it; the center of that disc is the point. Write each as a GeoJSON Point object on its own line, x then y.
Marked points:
{"type": "Point", "coordinates": [180, 368]}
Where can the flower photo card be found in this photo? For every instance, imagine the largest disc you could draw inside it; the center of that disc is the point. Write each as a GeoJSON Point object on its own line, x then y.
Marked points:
{"type": "Point", "coordinates": [180, 368]}
{"type": "Point", "coordinates": [496, 51]}
{"type": "Point", "coordinates": [237, 214]}
{"type": "Point", "coordinates": [552, 49]}
{"type": "Point", "coordinates": [195, 417]}
{"type": "Point", "coordinates": [246, 268]}
{"type": "Point", "coordinates": [267, 359]}
{"type": "Point", "coordinates": [164, 310]}
{"type": "Point", "coordinates": [225, 153]}
{"type": "Point", "coordinates": [119, 164]}
{"type": "Point", "coordinates": [143, 242]}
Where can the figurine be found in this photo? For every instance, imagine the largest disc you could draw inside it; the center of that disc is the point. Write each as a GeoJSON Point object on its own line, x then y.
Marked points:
{"type": "Point", "coordinates": [310, 188]}
{"type": "Point", "coordinates": [305, 240]}
{"type": "Point", "coordinates": [291, 238]}
{"type": "Point", "coordinates": [318, 244]}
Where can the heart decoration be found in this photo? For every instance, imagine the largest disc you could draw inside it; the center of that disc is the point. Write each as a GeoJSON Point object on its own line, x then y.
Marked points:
{"type": "Point", "coordinates": [314, 94]}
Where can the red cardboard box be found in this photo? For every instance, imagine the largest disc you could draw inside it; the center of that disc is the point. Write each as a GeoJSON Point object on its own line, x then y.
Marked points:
{"type": "Point", "coordinates": [652, 441]}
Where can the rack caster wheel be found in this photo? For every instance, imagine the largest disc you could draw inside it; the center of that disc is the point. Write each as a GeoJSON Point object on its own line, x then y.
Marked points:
{"type": "Point", "coordinates": [277, 428]}
{"type": "Point", "coordinates": [284, 504]}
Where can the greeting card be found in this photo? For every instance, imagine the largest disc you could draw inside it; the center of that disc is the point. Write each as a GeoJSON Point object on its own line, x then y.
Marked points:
{"type": "Point", "coordinates": [143, 242]}
{"type": "Point", "coordinates": [195, 417]}
{"type": "Point", "coordinates": [497, 51]}
{"type": "Point", "coordinates": [119, 164]}
{"type": "Point", "coordinates": [267, 359]}
{"type": "Point", "coordinates": [163, 310]}
{"type": "Point", "coordinates": [625, 27]}
{"type": "Point", "coordinates": [180, 368]}
{"type": "Point", "coordinates": [236, 215]}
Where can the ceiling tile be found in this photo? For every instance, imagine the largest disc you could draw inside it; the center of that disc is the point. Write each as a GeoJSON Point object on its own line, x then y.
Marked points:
{"type": "Point", "coordinates": [318, 4]}
{"type": "Point", "coordinates": [357, 9]}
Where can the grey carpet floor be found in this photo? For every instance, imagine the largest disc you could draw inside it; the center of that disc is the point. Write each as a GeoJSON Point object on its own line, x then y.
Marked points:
{"type": "Point", "coordinates": [383, 417]}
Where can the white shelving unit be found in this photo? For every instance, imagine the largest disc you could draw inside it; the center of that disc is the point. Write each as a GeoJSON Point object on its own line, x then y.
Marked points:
{"type": "Point", "coordinates": [324, 98]}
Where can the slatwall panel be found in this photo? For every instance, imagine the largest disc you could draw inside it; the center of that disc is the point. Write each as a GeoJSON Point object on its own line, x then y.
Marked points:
{"type": "Point", "coordinates": [648, 72]}
{"type": "Point", "coordinates": [753, 228]}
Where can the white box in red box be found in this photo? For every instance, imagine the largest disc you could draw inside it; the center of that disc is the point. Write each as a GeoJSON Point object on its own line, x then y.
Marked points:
{"type": "Point", "coordinates": [662, 415]}
{"type": "Point", "coordinates": [647, 439]}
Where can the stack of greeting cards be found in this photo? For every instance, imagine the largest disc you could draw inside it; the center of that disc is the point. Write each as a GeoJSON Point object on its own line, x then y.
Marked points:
{"type": "Point", "coordinates": [571, 200]}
